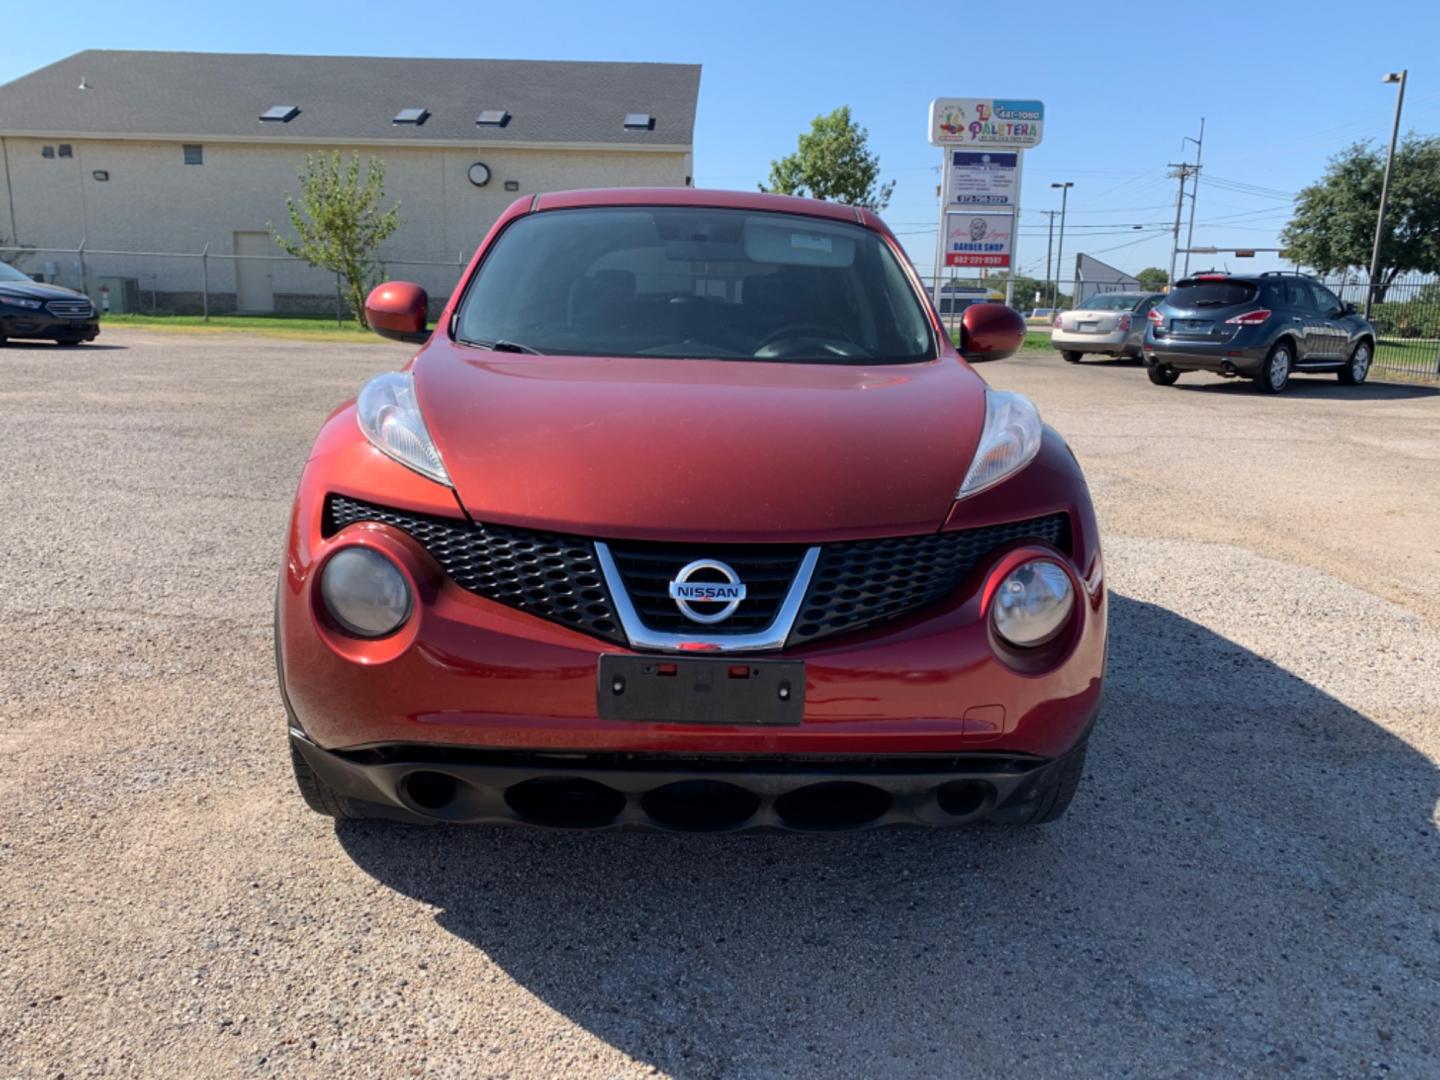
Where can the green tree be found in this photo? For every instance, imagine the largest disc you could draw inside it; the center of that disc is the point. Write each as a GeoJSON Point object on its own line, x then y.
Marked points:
{"type": "Point", "coordinates": [1334, 224]}
{"type": "Point", "coordinates": [1152, 278]}
{"type": "Point", "coordinates": [338, 221]}
{"type": "Point", "coordinates": [834, 162]}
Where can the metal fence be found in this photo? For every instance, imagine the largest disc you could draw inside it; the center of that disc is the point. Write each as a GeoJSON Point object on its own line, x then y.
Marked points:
{"type": "Point", "coordinates": [1406, 317]}
{"type": "Point", "coordinates": [1405, 314]}
{"type": "Point", "coordinates": [209, 283]}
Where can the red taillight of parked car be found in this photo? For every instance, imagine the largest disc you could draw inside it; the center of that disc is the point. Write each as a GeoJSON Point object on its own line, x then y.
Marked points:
{"type": "Point", "coordinates": [1122, 323]}
{"type": "Point", "coordinates": [1156, 318]}
{"type": "Point", "coordinates": [1250, 318]}
{"type": "Point", "coordinates": [1055, 322]}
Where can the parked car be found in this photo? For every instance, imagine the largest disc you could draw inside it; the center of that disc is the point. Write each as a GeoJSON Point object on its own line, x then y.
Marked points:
{"type": "Point", "coordinates": [32, 309]}
{"type": "Point", "coordinates": [1265, 327]}
{"type": "Point", "coordinates": [688, 515]}
{"type": "Point", "coordinates": [1107, 324]}
{"type": "Point", "coordinates": [1045, 313]}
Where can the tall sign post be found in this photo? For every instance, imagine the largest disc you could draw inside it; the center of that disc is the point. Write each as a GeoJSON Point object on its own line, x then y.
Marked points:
{"type": "Point", "coordinates": [984, 142]}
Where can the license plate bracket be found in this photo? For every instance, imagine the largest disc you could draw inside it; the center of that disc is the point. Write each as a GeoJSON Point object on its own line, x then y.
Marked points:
{"type": "Point", "coordinates": [701, 690]}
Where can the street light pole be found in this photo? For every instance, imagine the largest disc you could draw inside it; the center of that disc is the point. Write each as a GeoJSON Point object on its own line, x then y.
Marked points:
{"type": "Point", "coordinates": [1385, 189]}
{"type": "Point", "coordinates": [1049, 249]}
{"type": "Point", "coordinates": [1060, 251]}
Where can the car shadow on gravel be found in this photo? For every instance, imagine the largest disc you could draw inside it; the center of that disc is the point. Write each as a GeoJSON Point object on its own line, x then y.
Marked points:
{"type": "Point", "coordinates": [1316, 388]}
{"type": "Point", "coordinates": [52, 346]}
{"type": "Point", "coordinates": [1246, 882]}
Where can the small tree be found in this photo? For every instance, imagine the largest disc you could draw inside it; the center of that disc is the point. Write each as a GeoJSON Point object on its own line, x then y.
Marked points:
{"type": "Point", "coordinates": [1152, 278]}
{"type": "Point", "coordinates": [1334, 224]}
{"type": "Point", "coordinates": [338, 221]}
{"type": "Point", "coordinates": [833, 161]}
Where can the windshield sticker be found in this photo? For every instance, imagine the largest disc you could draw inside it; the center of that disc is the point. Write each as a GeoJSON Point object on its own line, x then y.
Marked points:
{"type": "Point", "coordinates": [803, 242]}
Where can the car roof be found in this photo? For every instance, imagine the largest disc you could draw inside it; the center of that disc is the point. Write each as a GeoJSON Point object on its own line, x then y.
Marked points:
{"type": "Point", "coordinates": [1252, 277]}
{"type": "Point", "coordinates": [706, 197]}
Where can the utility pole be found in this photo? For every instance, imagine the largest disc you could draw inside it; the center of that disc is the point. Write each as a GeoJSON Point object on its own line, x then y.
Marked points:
{"type": "Point", "coordinates": [1060, 254]}
{"type": "Point", "coordinates": [1194, 194]}
{"type": "Point", "coordinates": [1049, 241]}
{"type": "Point", "coordinates": [1182, 170]}
{"type": "Point", "coordinates": [1385, 190]}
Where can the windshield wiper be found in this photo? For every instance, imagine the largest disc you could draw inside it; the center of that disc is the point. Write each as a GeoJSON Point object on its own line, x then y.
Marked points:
{"type": "Point", "coordinates": [501, 345]}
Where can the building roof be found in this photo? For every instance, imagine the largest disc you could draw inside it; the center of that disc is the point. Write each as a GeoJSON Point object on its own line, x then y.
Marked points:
{"type": "Point", "coordinates": [344, 99]}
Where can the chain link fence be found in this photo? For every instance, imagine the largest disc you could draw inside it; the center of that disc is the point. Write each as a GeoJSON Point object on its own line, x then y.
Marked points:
{"type": "Point", "coordinates": [1405, 312]}
{"type": "Point", "coordinates": [209, 283]}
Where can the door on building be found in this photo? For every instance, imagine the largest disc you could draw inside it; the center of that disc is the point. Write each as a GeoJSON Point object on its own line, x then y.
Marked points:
{"type": "Point", "coordinates": [253, 289]}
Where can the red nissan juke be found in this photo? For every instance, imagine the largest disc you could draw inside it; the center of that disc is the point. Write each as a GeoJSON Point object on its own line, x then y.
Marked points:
{"type": "Point", "coordinates": [688, 515]}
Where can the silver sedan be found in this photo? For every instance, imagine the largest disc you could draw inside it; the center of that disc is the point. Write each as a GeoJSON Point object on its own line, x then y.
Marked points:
{"type": "Point", "coordinates": [1109, 324]}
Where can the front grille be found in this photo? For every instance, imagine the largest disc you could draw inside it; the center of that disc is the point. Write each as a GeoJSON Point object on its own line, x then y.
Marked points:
{"type": "Point", "coordinates": [70, 309]}
{"type": "Point", "coordinates": [554, 577]}
{"type": "Point", "coordinates": [648, 569]}
{"type": "Point", "coordinates": [865, 581]}
{"type": "Point", "coordinates": [855, 584]}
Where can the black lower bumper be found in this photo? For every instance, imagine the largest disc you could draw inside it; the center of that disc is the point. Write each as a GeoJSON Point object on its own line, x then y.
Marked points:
{"type": "Point", "coordinates": [49, 327]}
{"type": "Point", "coordinates": [1222, 359]}
{"type": "Point", "coordinates": [421, 784]}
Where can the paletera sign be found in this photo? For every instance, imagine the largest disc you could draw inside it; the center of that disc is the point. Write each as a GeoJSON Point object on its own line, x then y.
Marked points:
{"type": "Point", "coordinates": [986, 122]}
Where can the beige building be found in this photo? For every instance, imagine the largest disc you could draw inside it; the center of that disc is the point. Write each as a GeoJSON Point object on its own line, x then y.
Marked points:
{"type": "Point", "coordinates": [163, 156]}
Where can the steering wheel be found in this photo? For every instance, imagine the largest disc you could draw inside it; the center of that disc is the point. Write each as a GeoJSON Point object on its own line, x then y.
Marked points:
{"type": "Point", "coordinates": [812, 332]}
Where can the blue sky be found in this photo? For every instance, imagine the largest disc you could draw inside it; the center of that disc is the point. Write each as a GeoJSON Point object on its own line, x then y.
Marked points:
{"type": "Point", "coordinates": [1282, 87]}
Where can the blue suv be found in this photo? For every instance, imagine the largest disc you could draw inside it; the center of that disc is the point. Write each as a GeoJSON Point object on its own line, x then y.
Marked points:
{"type": "Point", "coordinates": [1264, 327]}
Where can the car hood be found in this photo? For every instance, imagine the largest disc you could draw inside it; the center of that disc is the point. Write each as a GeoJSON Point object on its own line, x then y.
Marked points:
{"type": "Point", "coordinates": [701, 449]}
{"type": "Point", "coordinates": [38, 291]}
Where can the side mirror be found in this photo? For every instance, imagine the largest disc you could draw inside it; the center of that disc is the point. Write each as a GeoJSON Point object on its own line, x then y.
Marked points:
{"type": "Point", "coordinates": [398, 310]}
{"type": "Point", "coordinates": [1349, 309]}
{"type": "Point", "coordinates": [990, 332]}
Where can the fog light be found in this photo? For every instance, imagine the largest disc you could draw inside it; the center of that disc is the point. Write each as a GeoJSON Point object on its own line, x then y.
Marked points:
{"type": "Point", "coordinates": [1032, 603]}
{"type": "Point", "coordinates": [365, 592]}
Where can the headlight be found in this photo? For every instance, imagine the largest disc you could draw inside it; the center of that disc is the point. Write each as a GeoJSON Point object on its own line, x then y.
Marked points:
{"type": "Point", "coordinates": [390, 417]}
{"type": "Point", "coordinates": [365, 592]}
{"type": "Point", "coordinates": [1032, 603]}
{"type": "Point", "coordinates": [22, 302]}
{"type": "Point", "coordinates": [1009, 442]}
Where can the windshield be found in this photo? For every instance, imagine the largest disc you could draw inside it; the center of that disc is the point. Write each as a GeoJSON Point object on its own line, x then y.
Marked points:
{"type": "Point", "coordinates": [9, 273]}
{"type": "Point", "coordinates": [1198, 294]}
{"type": "Point", "coordinates": [694, 282]}
{"type": "Point", "coordinates": [1111, 302]}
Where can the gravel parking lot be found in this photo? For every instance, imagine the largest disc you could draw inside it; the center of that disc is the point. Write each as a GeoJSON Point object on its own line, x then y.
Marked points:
{"type": "Point", "coordinates": [1248, 882]}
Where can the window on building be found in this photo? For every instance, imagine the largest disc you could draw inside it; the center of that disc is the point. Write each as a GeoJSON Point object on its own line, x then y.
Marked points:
{"type": "Point", "coordinates": [47, 151]}
{"type": "Point", "coordinates": [194, 154]}
{"type": "Point", "coordinates": [66, 150]}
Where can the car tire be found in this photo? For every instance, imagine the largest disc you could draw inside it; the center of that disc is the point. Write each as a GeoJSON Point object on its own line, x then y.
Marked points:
{"type": "Point", "coordinates": [320, 796]}
{"type": "Point", "coordinates": [1274, 373]}
{"type": "Point", "coordinates": [1162, 374]}
{"type": "Point", "coordinates": [1357, 368]}
{"type": "Point", "coordinates": [1071, 357]}
{"type": "Point", "coordinates": [1057, 799]}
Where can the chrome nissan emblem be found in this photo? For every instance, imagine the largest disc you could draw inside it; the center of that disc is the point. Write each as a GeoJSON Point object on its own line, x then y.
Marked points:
{"type": "Point", "coordinates": [709, 582]}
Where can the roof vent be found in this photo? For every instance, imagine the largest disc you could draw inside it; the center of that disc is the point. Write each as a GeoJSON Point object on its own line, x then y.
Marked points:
{"type": "Point", "coordinates": [84, 85]}
{"type": "Point", "coordinates": [639, 121]}
{"type": "Point", "coordinates": [493, 118]}
{"type": "Point", "coordinates": [280, 114]}
{"type": "Point", "coordinates": [411, 116]}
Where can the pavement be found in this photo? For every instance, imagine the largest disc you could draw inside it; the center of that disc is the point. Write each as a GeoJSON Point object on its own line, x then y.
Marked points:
{"type": "Point", "coordinates": [1248, 882]}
